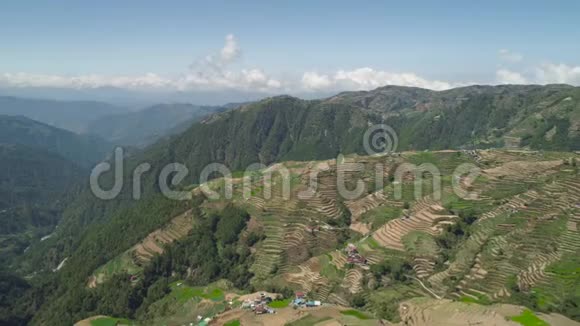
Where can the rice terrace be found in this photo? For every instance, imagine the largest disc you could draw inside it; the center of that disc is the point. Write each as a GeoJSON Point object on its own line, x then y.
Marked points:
{"type": "Point", "coordinates": [517, 234]}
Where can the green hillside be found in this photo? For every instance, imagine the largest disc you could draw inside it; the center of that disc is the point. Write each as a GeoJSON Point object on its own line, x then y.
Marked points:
{"type": "Point", "coordinates": [32, 188]}
{"type": "Point", "coordinates": [279, 255]}
{"type": "Point", "coordinates": [84, 150]}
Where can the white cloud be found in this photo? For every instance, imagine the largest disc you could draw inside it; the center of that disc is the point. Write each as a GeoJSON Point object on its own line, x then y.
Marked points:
{"type": "Point", "coordinates": [505, 76]}
{"type": "Point", "coordinates": [257, 78]}
{"type": "Point", "coordinates": [208, 73]}
{"type": "Point", "coordinates": [149, 80]}
{"type": "Point", "coordinates": [213, 72]}
{"type": "Point", "coordinates": [315, 81]}
{"type": "Point", "coordinates": [509, 56]}
{"type": "Point", "coordinates": [366, 79]}
{"type": "Point", "coordinates": [216, 71]}
{"type": "Point", "coordinates": [231, 50]}
{"type": "Point", "coordinates": [548, 73]}
{"type": "Point", "coordinates": [557, 73]}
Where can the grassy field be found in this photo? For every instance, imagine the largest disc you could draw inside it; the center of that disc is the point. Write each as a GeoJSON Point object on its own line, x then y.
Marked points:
{"type": "Point", "coordinates": [528, 318]}
{"type": "Point", "coordinates": [420, 243]}
{"type": "Point", "coordinates": [381, 215]}
{"type": "Point", "coordinates": [329, 270]}
{"type": "Point", "coordinates": [184, 303]}
{"type": "Point", "coordinates": [355, 313]}
{"type": "Point", "coordinates": [384, 303]}
{"type": "Point", "coordinates": [277, 304]}
{"type": "Point", "coordinates": [481, 300]}
{"type": "Point", "coordinates": [563, 283]}
{"type": "Point", "coordinates": [233, 323]}
{"type": "Point", "coordinates": [183, 292]}
{"type": "Point", "coordinates": [108, 321]}
{"type": "Point", "coordinates": [308, 320]}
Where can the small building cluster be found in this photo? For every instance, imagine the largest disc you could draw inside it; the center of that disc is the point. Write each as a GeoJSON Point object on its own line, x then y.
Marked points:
{"type": "Point", "coordinates": [353, 256]}
{"type": "Point", "coordinates": [259, 305]}
{"type": "Point", "coordinates": [301, 301]}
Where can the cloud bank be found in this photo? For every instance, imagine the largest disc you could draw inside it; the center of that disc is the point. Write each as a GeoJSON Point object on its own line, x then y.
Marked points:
{"type": "Point", "coordinates": [216, 72]}
{"type": "Point", "coordinates": [367, 78]}
{"type": "Point", "coordinates": [211, 72]}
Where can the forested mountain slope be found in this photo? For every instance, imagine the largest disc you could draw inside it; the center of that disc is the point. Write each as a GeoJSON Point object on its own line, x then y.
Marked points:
{"type": "Point", "coordinates": [32, 187]}
{"type": "Point", "coordinates": [287, 128]}
{"type": "Point", "coordinates": [82, 149]}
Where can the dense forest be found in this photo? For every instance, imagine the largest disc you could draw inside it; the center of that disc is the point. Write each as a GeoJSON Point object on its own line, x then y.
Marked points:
{"type": "Point", "coordinates": [33, 186]}
{"type": "Point", "coordinates": [213, 250]}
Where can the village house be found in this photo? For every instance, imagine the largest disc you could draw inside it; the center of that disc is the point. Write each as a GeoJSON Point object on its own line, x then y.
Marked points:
{"type": "Point", "coordinates": [353, 256]}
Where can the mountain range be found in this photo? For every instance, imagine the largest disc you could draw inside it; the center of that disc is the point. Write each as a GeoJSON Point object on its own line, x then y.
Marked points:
{"type": "Point", "coordinates": [285, 128]}
{"type": "Point", "coordinates": [144, 127]}
{"type": "Point", "coordinates": [95, 235]}
{"type": "Point", "coordinates": [70, 115]}
{"type": "Point", "coordinates": [115, 124]}
{"type": "Point", "coordinates": [81, 149]}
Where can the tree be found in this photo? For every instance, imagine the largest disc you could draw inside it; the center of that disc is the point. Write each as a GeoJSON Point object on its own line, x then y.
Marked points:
{"type": "Point", "coordinates": [358, 300]}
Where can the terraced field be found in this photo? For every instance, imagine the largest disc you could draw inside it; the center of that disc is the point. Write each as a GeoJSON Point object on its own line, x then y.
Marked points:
{"type": "Point", "coordinates": [514, 238]}
{"type": "Point", "coordinates": [445, 312]}
{"type": "Point", "coordinates": [133, 259]}
{"type": "Point", "coordinates": [516, 234]}
{"type": "Point", "coordinates": [427, 215]}
{"type": "Point", "coordinates": [153, 244]}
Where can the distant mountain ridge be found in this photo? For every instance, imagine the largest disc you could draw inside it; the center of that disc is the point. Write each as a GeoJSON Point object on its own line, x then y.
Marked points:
{"type": "Point", "coordinates": [69, 115]}
{"type": "Point", "coordinates": [84, 150]}
{"type": "Point", "coordinates": [143, 127]}
{"type": "Point", "coordinates": [115, 124]}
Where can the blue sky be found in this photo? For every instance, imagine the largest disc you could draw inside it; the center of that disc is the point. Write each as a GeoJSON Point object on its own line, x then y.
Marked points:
{"type": "Point", "coordinates": [291, 46]}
